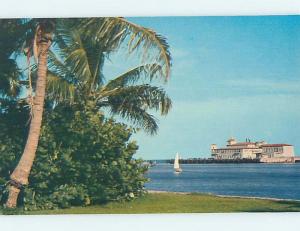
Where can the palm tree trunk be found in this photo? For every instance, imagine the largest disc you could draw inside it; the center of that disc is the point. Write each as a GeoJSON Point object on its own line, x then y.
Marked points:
{"type": "Point", "coordinates": [21, 173]}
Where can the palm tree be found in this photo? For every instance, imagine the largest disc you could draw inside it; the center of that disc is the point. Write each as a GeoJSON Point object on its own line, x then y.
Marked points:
{"type": "Point", "coordinates": [126, 95]}
{"type": "Point", "coordinates": [107, 34]}
{"type": "Point", "coordinates": [21, 173]}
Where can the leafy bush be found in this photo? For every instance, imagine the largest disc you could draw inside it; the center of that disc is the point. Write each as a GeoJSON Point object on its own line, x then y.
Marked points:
{"type": "Point", "coordinates": [82, 158]}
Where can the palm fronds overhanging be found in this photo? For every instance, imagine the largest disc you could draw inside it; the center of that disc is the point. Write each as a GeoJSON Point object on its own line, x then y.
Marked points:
{"type": "Point", "coordinates": [78, 59]}
{"type": "Point", "coordinates": [113, 31]}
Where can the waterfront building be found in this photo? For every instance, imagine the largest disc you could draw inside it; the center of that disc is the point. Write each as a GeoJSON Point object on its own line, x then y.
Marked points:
{"type": "Point", "coordinates": [252, 150]}
{"type": "Point", "coordinates": [277, 150]}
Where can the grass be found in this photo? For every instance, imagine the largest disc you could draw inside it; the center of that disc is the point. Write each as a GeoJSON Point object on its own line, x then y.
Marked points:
{"type": "Point", "coordinates": [182, 203]}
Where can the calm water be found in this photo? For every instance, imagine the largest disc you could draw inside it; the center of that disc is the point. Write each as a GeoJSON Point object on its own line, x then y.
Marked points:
{"type": "Point", "coordinates": [259, 180]}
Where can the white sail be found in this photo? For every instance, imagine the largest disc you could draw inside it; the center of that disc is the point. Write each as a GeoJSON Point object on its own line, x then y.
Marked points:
{"type": "Point", "coordinates": [176, 162]}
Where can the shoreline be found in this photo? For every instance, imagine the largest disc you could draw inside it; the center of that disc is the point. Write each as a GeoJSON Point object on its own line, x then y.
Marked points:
{"type": "Point", "coordinates": [204, 161]}
{"type": "Point", "coordinates": [225, 196]}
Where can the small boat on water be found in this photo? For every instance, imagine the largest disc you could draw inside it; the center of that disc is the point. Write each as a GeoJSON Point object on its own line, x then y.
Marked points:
{"type": "Point", "coordinates": [177, 168]}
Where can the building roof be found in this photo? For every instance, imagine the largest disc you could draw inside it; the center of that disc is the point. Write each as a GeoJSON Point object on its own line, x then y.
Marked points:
{"type": "Point", "coordinates": [236, 148]}
{"type": "Point", "coordinates": [275, 145]}
{"type": "Point", "coordinates": [241, 143]}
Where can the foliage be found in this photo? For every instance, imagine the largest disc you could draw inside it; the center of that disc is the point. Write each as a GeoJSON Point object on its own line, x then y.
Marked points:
{"type": "Point", "coordinates": [76, 69]}
{"type": "Point", "coordinates": [82, 158]}
{"type": "Point", "coordinates": [80, 48]}
{"type": "Point", "coordinates": [10, 32]}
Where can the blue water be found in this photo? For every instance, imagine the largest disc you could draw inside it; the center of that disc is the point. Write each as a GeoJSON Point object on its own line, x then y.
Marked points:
{"type": "Point", "coordinates": [257, 180]}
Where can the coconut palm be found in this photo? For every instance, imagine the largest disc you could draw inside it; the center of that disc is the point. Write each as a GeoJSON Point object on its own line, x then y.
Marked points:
{"type": "Point", "coordinates": [126, 95]}
{"type": "Point", "coordinates": [19, 177]}
{"type": "Point", "coordinates": [79, 75]}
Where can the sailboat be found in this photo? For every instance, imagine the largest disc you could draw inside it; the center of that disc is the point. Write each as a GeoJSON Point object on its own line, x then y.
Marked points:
{"type": "Point", "coordinates": [177, 168]}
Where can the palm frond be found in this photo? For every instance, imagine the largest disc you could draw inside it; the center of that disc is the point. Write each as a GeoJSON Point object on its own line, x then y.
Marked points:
{"type": "Point", "coordinates": [60, 90]}
{"type": "Point", "coordinates": [10, 85]}
{"type": "Point", "coordinates": [78, 63]}
{"type": "Point", "coordinates": [113, 31]}
{"type": "Point", "coordinates": [142, 96]}
{"type": "Point", "coordinates": [73, 54]}
{"type": "Point", "coordinates": [56, 65]}
{"type": "Point", "coordinates": [147, 71]}
{"type": "Point", "coordinates": [138, 116]}
{"type": "Point", "coordinates": [96, 57]}
{"type": "Point", "coordinates": [133, 102]}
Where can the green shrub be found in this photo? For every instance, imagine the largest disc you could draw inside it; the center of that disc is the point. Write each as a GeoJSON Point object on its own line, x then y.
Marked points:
{"type": "Point", "coordinates": [82, 158]}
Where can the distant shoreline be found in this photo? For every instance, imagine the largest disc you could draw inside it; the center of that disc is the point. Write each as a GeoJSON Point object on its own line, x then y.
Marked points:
{"type": "Point", "coordinates": [216, 161]}
{"type": "Point", "coordinates": [224, 196]}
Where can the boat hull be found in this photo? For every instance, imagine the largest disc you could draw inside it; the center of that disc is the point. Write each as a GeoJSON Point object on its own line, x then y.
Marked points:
{"type": "Point", "coordinates": [177, 170]}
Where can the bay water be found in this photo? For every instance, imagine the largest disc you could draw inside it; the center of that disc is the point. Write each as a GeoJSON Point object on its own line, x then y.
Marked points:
{"type": "Point", "coordinates": [255, 180]}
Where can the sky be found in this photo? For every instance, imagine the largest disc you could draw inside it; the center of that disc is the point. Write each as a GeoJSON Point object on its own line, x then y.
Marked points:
{"type": "Point", "coordinates": [231, 77]}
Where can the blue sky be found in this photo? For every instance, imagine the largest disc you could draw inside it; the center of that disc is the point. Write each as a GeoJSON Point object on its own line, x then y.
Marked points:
{"type": "Point", "coordinates": [231, 76]}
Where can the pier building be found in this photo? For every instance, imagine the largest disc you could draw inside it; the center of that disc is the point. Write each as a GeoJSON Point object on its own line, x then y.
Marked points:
{"type": "Point", "coordinates": [253, 150]}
